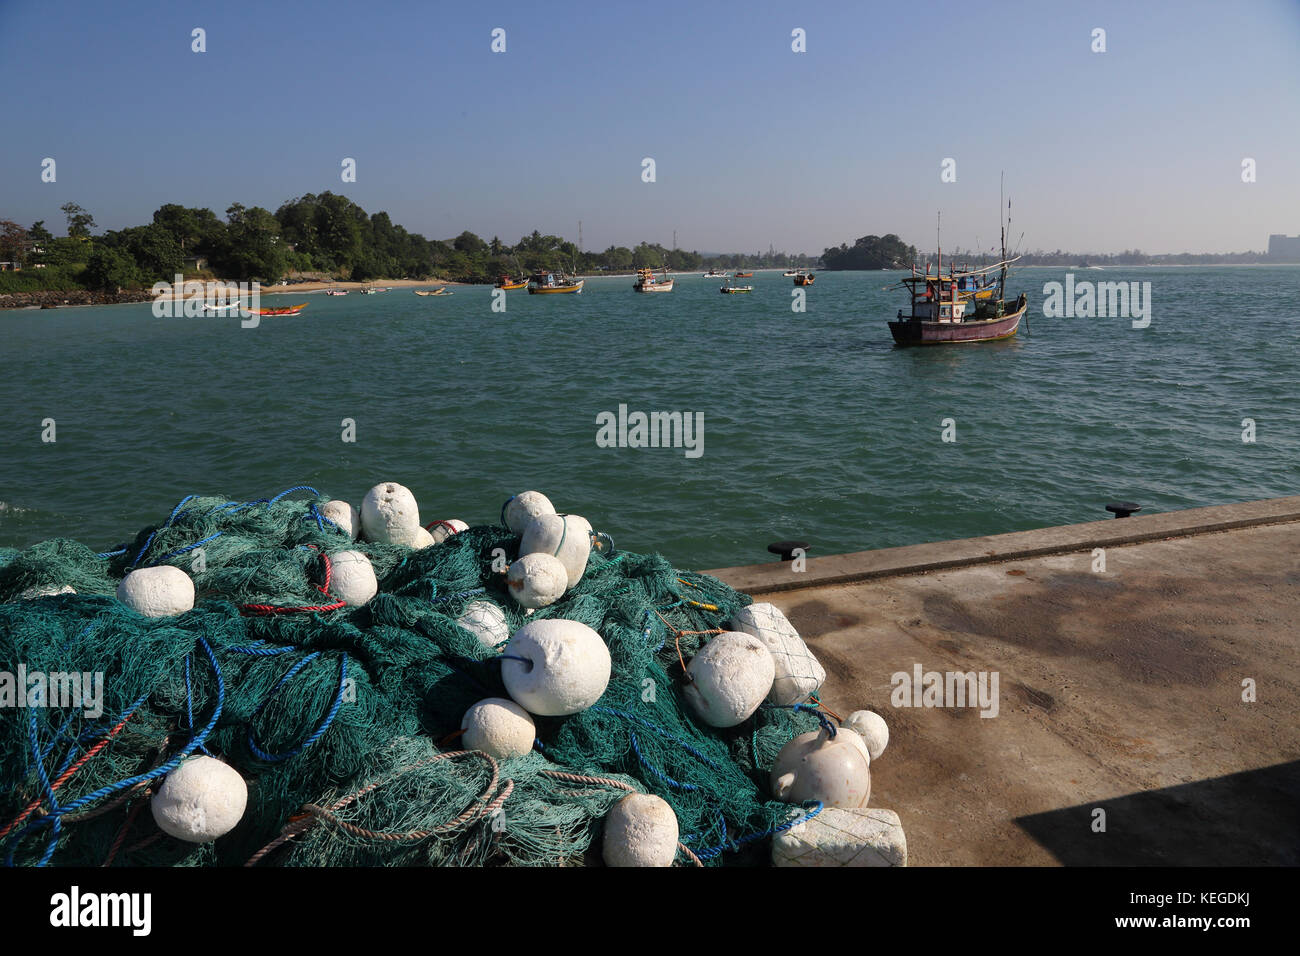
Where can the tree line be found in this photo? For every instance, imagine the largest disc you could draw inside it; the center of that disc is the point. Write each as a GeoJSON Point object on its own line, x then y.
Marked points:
{"type": "Point", "coordinates": [325, 234]}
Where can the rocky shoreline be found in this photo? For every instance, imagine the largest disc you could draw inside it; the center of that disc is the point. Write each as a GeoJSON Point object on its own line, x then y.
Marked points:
{"type": "Point", "coordinates": [53, 299]}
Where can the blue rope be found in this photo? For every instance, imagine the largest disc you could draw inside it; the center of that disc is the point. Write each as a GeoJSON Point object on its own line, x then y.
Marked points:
{"type": "Point", "coordinates": [675, 784]}
{"type": "Point", "coordinates": [325, 725]}
{"type": "Point", "coordinates": [187, 548]}
{"type": "Point", "coordinates": [514, 657]}
{"type": "Point", "coordinates": [736, 844]}
{"type": "Point", "coordinates": [503, 510]}
{"type": "Point", "coordinates": [189, 703]}
{"type": "Point", "coordinates": [256, 651]}
{"type": "Point", "coordinates": [111, 554]}
{"type": "Point", "coordinates": [289, 491]}
{"type": "Point", "coordinates": [659, 730]}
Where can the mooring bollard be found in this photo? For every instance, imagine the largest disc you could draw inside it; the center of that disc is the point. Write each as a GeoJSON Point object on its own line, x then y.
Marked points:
{"type": "Point", "coordinates": [786, 549]}
{"type": "Point", "coordinates": [1122, 509]}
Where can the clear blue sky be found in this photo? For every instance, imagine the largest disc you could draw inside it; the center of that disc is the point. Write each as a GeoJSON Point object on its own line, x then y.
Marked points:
{"type": "Point", "coordinates": [1137, 147]}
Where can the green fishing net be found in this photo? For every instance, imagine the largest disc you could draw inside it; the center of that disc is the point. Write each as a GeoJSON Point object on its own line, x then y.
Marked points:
{"type": "Point", "coordinates": [343, 720]}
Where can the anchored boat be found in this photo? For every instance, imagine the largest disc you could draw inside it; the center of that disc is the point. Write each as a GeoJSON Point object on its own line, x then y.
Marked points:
{"type": "Point", "coordinates": [550, 283]}
{"type": "Point", "coordinates": [803, 278]}
{"type": "Point", "coordinates": [730, 289]}
{"type": "Point", "coordinates": [509, 284]}
{"type": "Point", "coordinates": [646, 282]}
{"type": "Point", "coordinates": [286, 310]}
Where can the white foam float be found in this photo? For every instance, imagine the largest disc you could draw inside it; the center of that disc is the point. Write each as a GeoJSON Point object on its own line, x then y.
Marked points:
{"type": "Point", "coordinates": [640, 830]}
{"type": "Point", "coordinates": [157, 592]}
{"type": "Point", "coordinates": [873, 730]}
{"type": "Point", "coordinates": [536, 580]}
{"type": "Point", "coordinates": [799, 675]}
{"type": "Point", "coordinates": [390, 515]}
{"type": "Point", "coordinates": [421, 539]}
{"type": "Point", "coordinates": [499, 728]}
{"type": "Point", "coordinates": [442, 530]}
{"type": "Point", "coordinates": [523, 508]}
{"type": "Point", "coordinates": [200, 800]}
{"type": "Point", "coordinates": [485, 621]}
{"type": "Point", "coordinates": [352, 577]}
{"type": "Point", "coordinates": [566, 667]}
{"type": "Point", "coordinates": [567, 537]}
{"type": "Point", "coordinates": [865, 836]}
{"type": "Point", "coordinates": [344, 515]}
{"type": "Point", "coordinates": [729, 678]}
{"type": "Point", "coordinates": [815, 766]}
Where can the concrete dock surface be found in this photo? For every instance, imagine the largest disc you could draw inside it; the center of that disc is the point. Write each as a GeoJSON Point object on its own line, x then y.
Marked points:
{"type": "Point", "coordinates": [1125, 653]}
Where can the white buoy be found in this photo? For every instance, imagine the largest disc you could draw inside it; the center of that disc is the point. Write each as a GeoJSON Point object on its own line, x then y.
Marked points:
{"type": "Point", "coordinates": [567, 537]}
{"type": "Point", "coordinates": [640, 830]}
{"type": "Point", "coordinates": [48, 590]}
{"type": "Point", "coordinates": [442, 530]}
{"type": "Point", "coordinates": [422, 539]}
{"type": "Point", "coordinates": [487, 622]}
{"type": "Point", "coordinates": [798, 673]}
{"type": "Point", "coordinates": [200, 800]}
{"type": "Point", "coordinates": [499, 728]}
{"type": "Point", "coordinates": [157, 592]}
{"type": "Point", "coordinates": [873, 730]}
{"type": "Point", "coordinates": [352, 578]}
{"type": "Point", "coordinates": [523, 508]}
{"type": "Point", "coordinates": [536, 580]}
{"type": "Point", "coordinates": [566, 669]}
{"type": "Point", "coordinates": [813, 766]}
{"type": "Point", "coordinates": [390, 515]}
{"type": "Point", "coordinates": [729, 678]}
{"type": "Point", "coordinates": [344, 515]}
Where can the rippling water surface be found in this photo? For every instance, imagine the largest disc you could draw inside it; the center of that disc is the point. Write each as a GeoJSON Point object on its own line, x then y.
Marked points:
{"type": "Point", "coordinates": [815, 426]}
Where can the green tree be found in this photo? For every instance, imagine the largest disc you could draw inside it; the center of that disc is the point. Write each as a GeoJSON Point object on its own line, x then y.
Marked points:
{"type": "Point", "coordinates": [80, 222]}
{"type": "Point", "coordinates": [253, 248]}
{"type": "Point", "coordinates": [111, 269]}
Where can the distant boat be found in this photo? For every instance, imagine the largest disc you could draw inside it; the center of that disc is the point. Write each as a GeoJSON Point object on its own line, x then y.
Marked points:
{"type": "Point", "coordinates": [714, 274]}
{"type": "Point", "coordinates": [286, 310]}
{"type": "Point", "coordinates": [336, 291]}
{"type": "Point", "coordinates": [433, 292]}
{"type": "Point", "coordinates": [790, 272]}
{"type": "Point", "coordinates": [218, 309]}
{"type": "Point", "coordinates": [552, 283]}
{"type": "Point", "coordinates": [730, 289]}
{"type": "Point", "coordinates": [803, 278]}
{"type": "Point", "coordinates": [646, 282]}
{"type": "Point", "coordinates": [366, 292]}
{"type": "Point", "coordinates": [509, 284]}
{"type": "Point", "coordinates": [744, 275]}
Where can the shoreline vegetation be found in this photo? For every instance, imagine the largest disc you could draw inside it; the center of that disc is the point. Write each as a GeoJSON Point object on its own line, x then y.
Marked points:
{"type": "Point", "coordinates": [321, 241]}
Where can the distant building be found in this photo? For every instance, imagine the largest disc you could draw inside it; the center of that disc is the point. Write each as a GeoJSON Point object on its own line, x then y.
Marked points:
{"type": "Point", "coordinates": [194, 263]}
{"type": "Point", "coordinates": [1284, 248]}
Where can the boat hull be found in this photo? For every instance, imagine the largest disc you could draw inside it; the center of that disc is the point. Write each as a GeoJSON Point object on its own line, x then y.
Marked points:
{"type": "Point", "coordinates": [657, 287]}
{"type": "Point", "coordinates": [920, 332]}
{"type": "Point", "coordinates": [558, 290]}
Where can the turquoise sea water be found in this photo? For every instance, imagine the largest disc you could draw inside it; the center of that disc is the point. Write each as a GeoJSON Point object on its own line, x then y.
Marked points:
{"type": "Point", "coordinates": [815, 425]}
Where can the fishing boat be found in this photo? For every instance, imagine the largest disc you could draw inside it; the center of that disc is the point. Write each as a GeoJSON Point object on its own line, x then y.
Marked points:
{"type": "Point", "coordinates": [210, 309]}
{"type": "Point", "coordinates": [509, 284]}
{"type": "Point", "coordinates": [551, 283]}
{"type": "Point", "coordinates": [803, 278]}
{"type": "Point", "coordinates": [442, 291]}
{"type": "Point", "coordinates": [336, 291]}
{"type": "Point", "coordinates": [729, 289]}
{"type": "Point", "coordinates": [646, 281]}
{"type": "Point", "coordinates": [744, 275]}
{"type": "Point", "coordinates": [963, 306]}
{"type": "Point", "coordinates": [714, 274]}
{"type": "Point", "coordinates": [285, 310]}
{"type": "Point", "coordinates": [367, 291]}
{"type": "Point", "coordinates": [789, 273]}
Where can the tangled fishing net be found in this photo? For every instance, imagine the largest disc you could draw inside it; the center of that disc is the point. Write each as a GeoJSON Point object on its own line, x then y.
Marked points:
{"type": "Point", "coordinates": [343, 720]}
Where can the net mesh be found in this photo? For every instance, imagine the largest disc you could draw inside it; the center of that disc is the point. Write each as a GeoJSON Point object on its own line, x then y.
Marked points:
{"type": "Point", "coordinates": [344, 722]}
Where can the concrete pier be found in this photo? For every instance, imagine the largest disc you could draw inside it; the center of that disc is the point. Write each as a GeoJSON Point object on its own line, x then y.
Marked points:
{"type": "Point", "coordinates": [1125, 653]}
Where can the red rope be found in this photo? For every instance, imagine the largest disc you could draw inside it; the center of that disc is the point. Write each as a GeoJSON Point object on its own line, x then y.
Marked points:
{"type": "Point", "coordinates": [322, 588]}
{"type": "Point", "coordinates": [66, 775]}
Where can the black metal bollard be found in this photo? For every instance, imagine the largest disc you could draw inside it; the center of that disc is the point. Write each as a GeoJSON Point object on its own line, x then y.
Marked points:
{"type": "Point", "coordinates": [1122, 509]}
{"type": "Point", "coordinates": [786, 549]}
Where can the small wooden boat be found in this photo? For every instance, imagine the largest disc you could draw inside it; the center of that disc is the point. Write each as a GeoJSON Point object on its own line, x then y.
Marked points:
{"type": "Point", "coordinates": [714, 274]}
{"type": "Point", "coordinates": [434, 292]}
{"type": "Point", "coordinates": [336, 291]}
{"type": "Point", "coordinates": [803, 278]}
{"type": "Point", "coordinates": [646, 282]}
{"type": "Point", "coordinates": [286, 310]}
{"type": "Point", "coordinates": [552, 283]}
{"type": "Point", "coordinates": [744, 275]}
{"type": "Point", "coordinates": [730, 289]}
{"type": "Point", "coordinates": [209, 308]}
{"type": "Point", "coordinates": [509, 284]}
{"type": "Point", "coordinates": [789, 273]}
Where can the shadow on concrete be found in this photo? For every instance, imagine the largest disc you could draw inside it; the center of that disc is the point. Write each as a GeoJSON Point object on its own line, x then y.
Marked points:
{"type": "Point", "coordinates": [1242, 819]}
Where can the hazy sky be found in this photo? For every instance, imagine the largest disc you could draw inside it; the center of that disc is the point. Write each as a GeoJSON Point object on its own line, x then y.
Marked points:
{"type": "Point", "coordinates": [1137, 147]}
